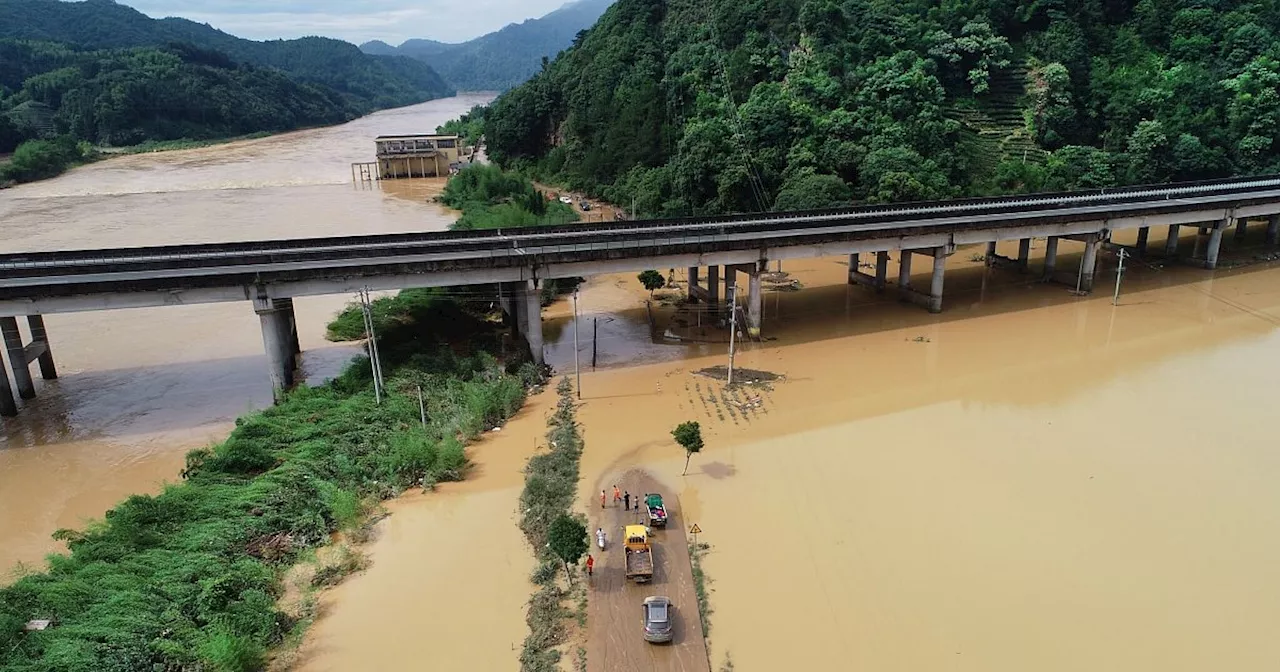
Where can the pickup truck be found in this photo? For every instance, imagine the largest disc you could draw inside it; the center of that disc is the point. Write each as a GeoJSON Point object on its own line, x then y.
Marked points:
{"type": "Point", "coordinates": [657, 512]}
{"type": "Point", "coordinates": [639, 560]}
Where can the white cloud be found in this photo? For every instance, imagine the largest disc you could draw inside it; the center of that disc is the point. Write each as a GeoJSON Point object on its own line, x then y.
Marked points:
{"type": "Point", "coordinates": [392, 21]}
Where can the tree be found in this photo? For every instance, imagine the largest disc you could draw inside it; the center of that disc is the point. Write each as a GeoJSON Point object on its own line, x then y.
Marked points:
{"type": "Point", "coordinates": [689, 436]}
{"type": "Point", "coordinates": [567, 538]}
{"type": "Point", "coordinates": [652, 280]}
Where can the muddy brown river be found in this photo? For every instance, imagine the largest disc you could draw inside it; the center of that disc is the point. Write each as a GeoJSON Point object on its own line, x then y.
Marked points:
{"type": "Point", "coordinates": [1028, 481]}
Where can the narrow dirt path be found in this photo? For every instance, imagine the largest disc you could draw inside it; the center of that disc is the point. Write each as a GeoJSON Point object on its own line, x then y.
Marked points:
{"type": "Point", "coordinates": [615, 620]}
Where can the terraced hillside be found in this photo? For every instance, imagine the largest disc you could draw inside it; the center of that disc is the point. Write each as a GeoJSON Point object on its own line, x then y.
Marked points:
{"type": "Point", "coordinates": [994, 129]}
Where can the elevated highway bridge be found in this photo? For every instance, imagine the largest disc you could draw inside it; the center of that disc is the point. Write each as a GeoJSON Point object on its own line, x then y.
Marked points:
{"type": "Point", "coordinates": [269, 274]}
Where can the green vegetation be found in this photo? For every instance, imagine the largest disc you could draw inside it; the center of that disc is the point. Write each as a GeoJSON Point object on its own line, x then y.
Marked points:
{"type": "Point", "coordinates": [491, 198]}
{"type": "Point", "coordinates": [697, 551]}
{"type": "Point", "coordinates": [183, 143]}
{"type": "Point", "coordinates": [504, 58]}
{"type": "Point", "coordinates": [39, 159]}
{"type": "Point", "coordinates": [550, 484]}
{"type": "Point", "coordinates": [470, 126]}
{"type": "Point", "coordinates": [713, 106]}
{"type": "Point", "coordinates": [567, 539]}
{"type": "Point", "coordinates": [689, 436]}
{"type": "Point", "coordinates": [652, 280]}
{"type": "Point", "coordinates": [189, 579]}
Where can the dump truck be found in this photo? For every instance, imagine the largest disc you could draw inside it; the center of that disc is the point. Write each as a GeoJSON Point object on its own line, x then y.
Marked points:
{"type": "Point", "coordinates": [639, 560]}
{"type": "Point", "coordinates": [657, 512]}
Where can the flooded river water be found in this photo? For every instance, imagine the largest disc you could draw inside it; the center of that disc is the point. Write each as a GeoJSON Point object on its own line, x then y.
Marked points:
{"type": "Point", "coordinates": [1028, 481]}
{"type": "Point", "coordinates": [138, 388]}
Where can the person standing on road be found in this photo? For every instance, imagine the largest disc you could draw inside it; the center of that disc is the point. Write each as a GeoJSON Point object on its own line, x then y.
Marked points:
{"type": "Point", "coordinates": [617, 494]}
{"type": "Point", "coordinates": [591, 563]}
{"type": "Point", "coordinates": [626, 501]}
{"type": "Point", "coordinates": [602, 499]}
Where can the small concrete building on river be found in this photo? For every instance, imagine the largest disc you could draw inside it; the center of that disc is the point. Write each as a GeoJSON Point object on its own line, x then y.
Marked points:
{"type": "Point", "coordinates": [418, 155]}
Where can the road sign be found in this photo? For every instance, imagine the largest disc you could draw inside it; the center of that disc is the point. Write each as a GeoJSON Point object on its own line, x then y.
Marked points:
{"type": "Point", "coordinates": [694, 529]}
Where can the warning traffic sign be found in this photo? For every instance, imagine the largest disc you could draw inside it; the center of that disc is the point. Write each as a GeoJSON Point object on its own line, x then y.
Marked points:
{"type": "Point", "coordinates": [694, 529]}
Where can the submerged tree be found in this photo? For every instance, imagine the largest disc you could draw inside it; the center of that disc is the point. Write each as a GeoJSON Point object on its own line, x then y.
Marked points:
{"type": "Point", "coordinates": [652, 280]}
{"type": "Point", "coordinates": [689, 436]}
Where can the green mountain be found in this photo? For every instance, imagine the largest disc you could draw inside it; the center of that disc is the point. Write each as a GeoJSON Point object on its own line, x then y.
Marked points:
{"type": "Point", "coordinates": [364, 81]}
{"type": "Point", "coordinates": [707, 106]}
{"type": "Point", "coordinates": [502, 59]}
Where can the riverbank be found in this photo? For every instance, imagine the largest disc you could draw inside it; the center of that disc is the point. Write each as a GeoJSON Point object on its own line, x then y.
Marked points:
{"type": "Point", "coordinates": [198, 568]}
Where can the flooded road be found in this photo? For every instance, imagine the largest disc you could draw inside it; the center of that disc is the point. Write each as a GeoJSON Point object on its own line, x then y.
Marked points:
{"type": "Point", "coordinates": [1026, 481]}
{"type": "Point", "coordinates": [139, 388]}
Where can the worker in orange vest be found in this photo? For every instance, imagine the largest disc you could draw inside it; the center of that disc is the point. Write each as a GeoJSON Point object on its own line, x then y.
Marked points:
{"type": "Point", "coordinates": [591, 563]}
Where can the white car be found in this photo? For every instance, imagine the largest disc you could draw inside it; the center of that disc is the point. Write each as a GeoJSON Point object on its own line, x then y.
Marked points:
{"type": "Point", "coordinates": [566, 200]}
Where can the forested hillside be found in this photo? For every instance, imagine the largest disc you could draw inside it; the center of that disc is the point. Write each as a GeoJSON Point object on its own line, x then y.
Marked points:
{"type": "Point", "coordinates": [118, 77]}
{"type": "Point", "coordinates": [502, 59]}
{"type": "Point", "coordinates": [705, 106]}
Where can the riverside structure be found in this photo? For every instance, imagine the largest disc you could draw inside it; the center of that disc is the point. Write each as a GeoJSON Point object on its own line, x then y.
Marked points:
{"type": "Point", "coordinates": [269, 274]}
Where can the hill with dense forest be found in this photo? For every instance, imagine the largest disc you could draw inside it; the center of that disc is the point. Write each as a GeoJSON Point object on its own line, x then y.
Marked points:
{"type": "Point", "coordinates": [505, 58]}
{"type": "Point", "coordinates": [706, 106]}
{"type": "Point", "coordinates": [104, 73]}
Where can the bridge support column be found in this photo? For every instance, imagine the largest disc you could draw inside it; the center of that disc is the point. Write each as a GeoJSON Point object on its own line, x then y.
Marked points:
{"type": "Point", "coordinates": [935, 287]}
{"type": "Point", "coordinates": [533, 323]}
{"type": "Point", "coordinates": [1050, 258]}
{"type": "Point", "coordinates": [19, 363]}
{"type": "Point", "coordinates": [1143, 232]}
{"type": "Point", "coordinates": [730, 280]}
{"type": "Point", "coordinates": [1214, 244]}
{"type": "Point", "coordinates": [8, 405]}
{"type": "Point", "coordinates": [1089, 262]}
{"type": "Point", "coordinates": [904, 270]}
{"type": "Point", "coordinates": [1273, 229]}
{"type": "Point", "coordinates": [285, 306]}
{"type": "Point", "coordinates": [277, 341]}
{"type": "Point", "coordinates": [1024, 254]}
{"type": "Point", "coordinates": [1171, 242]}
{"type": "Point", "coordinates": [713, 286]}
{"type": "Point", "coordinates": [1202, 234]}
{"type": "Point", "coordinates": [755, 302]}
{"type": "Point", "coordinates": [877, 281]}
{"type": "Point", "coordinates": [990, 256]}
{"type": "Point", "coordinates": [882, 270]}
{"type": "Point", "coordinates": [1242, 228]}
{"type": "Point", "coordinates": [853, 268]}
{"type": "Point", "coordinates": [693, 284]}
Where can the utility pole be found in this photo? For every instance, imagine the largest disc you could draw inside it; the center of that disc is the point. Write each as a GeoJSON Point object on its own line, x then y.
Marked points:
{"type": "Point", "coordinates": [733, 329]}
{"type": "Point", "coordinates": [422, 408]}
{"type": "Point", "coordinates": [375, 364]}
{"type": "Point", "coordinates": [595, 336]}
{"type": "Point", "coordinates": [1115, 298]}
{"type": "Point", "coordinates": [576, 371]}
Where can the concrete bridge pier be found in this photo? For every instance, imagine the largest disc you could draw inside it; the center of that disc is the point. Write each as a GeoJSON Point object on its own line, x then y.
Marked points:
{"type": "Point", "coordinates": [1273, 229]}
{"type": "Point", "coordinates": [1024, 254]}
{"type": "Point", "coordinates": [713, 285]}
{"type": "Point", "coordinates": [1143, 232]}
{"type": "Point", "coordinates": [990, 257]}
{"type": "Point", "coordinates": [692, 291]}
{"type": "Point", "coordinates": [878, 281]}
{"type": "Point", "coordinates": [755, 300]}
{"type": "Point", "coordinates": [1209, 243]}
{"type": "Point", "coordinates": [279, 338]}
{"type": "Point", "coordinates": [932, 300]}
{"type": "Point", "coordinates": [730, 281]}
{"type": "Point", "coordinates": [1242, 229]}
{"type": "Point", "coordinates": [1089, 262]}
{"type": "Point", "coordinates": [1171, 242]}
{"type": "Point", "coordinates": [1050, 258]}
{"type": "Point", "coordinates": [532, 322]}
{"type": "Point", "coordinates": [20, 358]}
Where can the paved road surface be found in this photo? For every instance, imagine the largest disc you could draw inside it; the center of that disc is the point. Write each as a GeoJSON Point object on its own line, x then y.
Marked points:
{"type": "Point", "coordinates": [616, 641]}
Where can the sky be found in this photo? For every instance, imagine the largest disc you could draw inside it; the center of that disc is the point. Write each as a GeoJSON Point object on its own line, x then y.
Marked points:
{"type": "Point", "coordinates": [392, 21]}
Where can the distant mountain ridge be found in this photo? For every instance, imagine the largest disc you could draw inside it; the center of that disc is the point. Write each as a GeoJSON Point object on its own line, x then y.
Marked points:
{"type": "Point", "coordinates": [367, 81]}
{"type": "Point", "coordinates": [504, 58]}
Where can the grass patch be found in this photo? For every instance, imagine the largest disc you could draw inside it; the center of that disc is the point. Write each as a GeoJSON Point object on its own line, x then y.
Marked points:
{"type": "Point", "coordinates": [551, 481]}
{"type": "Point", "coordinates": [700, 585]}
{"type": "Point", "coordinates": [190, 579]}
{"type": "Point", "coordinates": [181, 143]}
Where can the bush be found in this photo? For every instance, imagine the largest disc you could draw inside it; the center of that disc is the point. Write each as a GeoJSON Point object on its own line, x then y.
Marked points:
{"type": "Point", "coordinates": [40, 159]}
